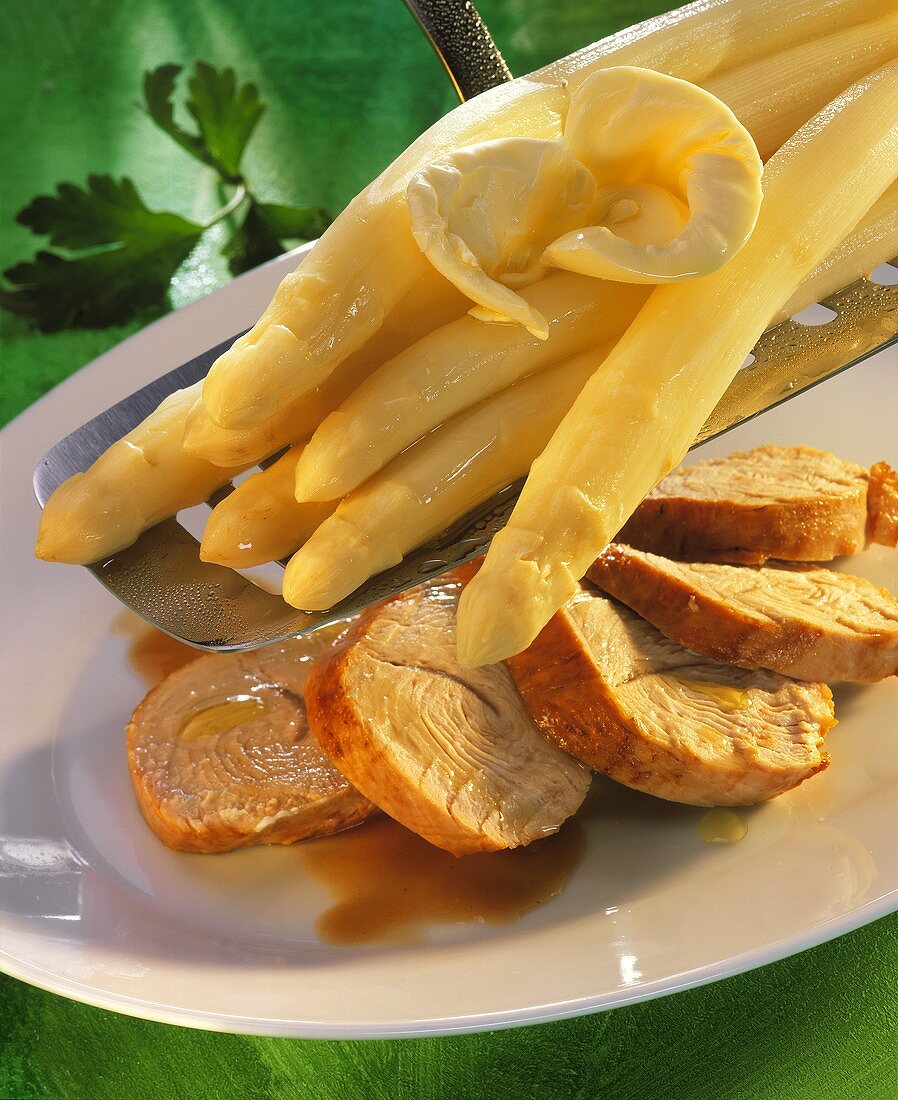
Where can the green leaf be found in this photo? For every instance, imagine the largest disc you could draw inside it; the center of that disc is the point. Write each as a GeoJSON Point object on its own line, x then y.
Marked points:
{"type": "Point", "coordinates": [135, 252]}
{"type": "Point", "coordinates": [108, 211]}
{"type": "Point", "coordinates": [226, 114]}
{"type": "Point", "coordinates": [267, 226]}
{"type": "Point", "coordinates": [295, 223]}
{"type": "Point", "coordinates": [158, 88]}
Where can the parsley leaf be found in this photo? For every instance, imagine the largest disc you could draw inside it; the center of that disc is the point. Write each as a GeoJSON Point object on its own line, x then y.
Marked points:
{"type": "Point", "coordinates": [266, 227]}
{"type": "Point", "coordinates": [134, 253]}
{"type": "Point", "coordinates": [118, 256]}
{"type": "Point", "coordinates": [226, 114]}
{"type": "Point", "coordinates": [158, 88]}
{"type": "Point", "coordinates": [108, 211]}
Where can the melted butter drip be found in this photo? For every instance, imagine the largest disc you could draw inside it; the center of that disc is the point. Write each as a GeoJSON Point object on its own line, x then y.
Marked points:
{"type": "Point", "coordinates": [220, 717]}
{"type": "Point", "coordinates": [727, 698]}
{"type": "Point", "coordinates": [722, 827]}
{"type": "Point", "coordinates": [388, 882]}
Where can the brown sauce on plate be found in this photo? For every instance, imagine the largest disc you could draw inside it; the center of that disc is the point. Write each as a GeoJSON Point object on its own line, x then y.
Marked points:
{"type": "Point", "coordinates": [152, 654]}
{"type": "Point", "coordinates": [387, 882]}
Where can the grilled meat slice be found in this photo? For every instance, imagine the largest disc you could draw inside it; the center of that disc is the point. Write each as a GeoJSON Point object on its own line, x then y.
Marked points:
{"type": "Point", "coordinates": [800, 620]}
{"type": "Point", "coordinates": [790, 503]}
{"type": "Point", "coordinates": [222, 757]}
{"type": "Point", "coordinates": [610, 689]}
{"type": "Point", "coordinates": [449, 752]}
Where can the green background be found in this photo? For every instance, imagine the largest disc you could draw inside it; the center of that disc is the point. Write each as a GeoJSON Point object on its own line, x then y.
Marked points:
{"type": "Point", "coordinates": [348, 86]}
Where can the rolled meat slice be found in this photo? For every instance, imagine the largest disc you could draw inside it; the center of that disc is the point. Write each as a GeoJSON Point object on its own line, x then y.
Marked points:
{"type": "Point", "coordinates": [222, 757]}
{"type": "Point", "coordinates": [449, 752]}
{"type": "Point", "coordinates": [798, 620]}
{"type": "Point", "coordinates": [610, 689]}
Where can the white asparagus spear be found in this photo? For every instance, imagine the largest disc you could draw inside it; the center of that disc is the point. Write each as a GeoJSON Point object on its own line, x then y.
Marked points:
{"type": "Point", "coordinates": [139, 481]}
{"type": "Point", "coordinates": [432, 302]}
{"type": "Point", "coordinates": [636, 417]}
{"type": "Point", "coordinates": [433, 484]}
{"type": "Point", "coordinates": [776, 95]}
{"type": "Point", "coordinates": [261, 520]}
{"type": "Point", "coordinates": [452, 369]}
{"type": "Point", "coordinates": [872, 242]}
{"type": "Point", "coordinates": [367, 259]}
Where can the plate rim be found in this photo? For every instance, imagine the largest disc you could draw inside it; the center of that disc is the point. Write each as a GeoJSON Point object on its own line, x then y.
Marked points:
{"type": "Point", "coordinates": [199, 1020]}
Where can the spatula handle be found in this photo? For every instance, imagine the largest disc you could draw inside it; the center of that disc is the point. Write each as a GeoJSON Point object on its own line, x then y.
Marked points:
{"type": "Point", "coordinates": [463, 43]}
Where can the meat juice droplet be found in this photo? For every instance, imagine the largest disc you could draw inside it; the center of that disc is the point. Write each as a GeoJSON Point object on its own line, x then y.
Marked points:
{"type": "Point", "coordinates": [389, 883]}
{"type": "Point", "coordinates": [151, 653]}
{"type": "Point", "coordinates": [722, 827]}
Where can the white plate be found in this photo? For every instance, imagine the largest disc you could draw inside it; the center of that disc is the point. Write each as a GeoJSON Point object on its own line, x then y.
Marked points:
{"type": "Point", "coordinates": [92, 906]}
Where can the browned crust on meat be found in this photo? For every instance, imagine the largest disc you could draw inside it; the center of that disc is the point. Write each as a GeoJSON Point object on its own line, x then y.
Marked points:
{"type": "Point", "coordinates": [728, 633]}
{"type": "Point", "coordinates": [340, 812]}
{"type": "Point", "coordinates": [215, 834]}
{"type": "Point", "coordinates": [882, 505]}
{"type": "Point", "coordinates": [342, 733]}
{"type": "Point", "coordinates": [574, 707]}
{"type": "Point", "coordinates": [740, 532]}
{"type": "Point", "coordinates": [729, 531]}
{"type": "Point", "coordinates": [568, 702]}
{"type": "Point", "coordinates": [695, 620]}
{"type": "Point", "coordinates": [332, 716]}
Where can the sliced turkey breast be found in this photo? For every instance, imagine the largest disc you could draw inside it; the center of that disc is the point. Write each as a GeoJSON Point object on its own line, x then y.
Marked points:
{"type": "Point", "coordinates": [792, 503]}
{"type": "Point", "coordinates": [221, 755]}
{"type": "Point", "coordinates": [449, 752]}
{"type": "Point", "coordinates": [802, 621]}
{"type": "Point", "coordinates": [882, 504]}
{"type": "Point", "coordinates": [610, 689]}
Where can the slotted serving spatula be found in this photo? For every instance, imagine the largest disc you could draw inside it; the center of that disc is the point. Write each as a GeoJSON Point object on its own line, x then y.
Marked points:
{"type": "Point", "coordinates": [161, 576]}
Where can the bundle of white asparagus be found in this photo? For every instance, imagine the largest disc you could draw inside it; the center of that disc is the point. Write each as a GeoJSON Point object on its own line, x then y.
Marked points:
{"type": "Point", "coordinates": [562, 277]}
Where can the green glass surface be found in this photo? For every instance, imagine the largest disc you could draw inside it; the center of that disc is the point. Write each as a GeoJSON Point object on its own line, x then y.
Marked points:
{"type": "Point", "coordinates": [348, 86]}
